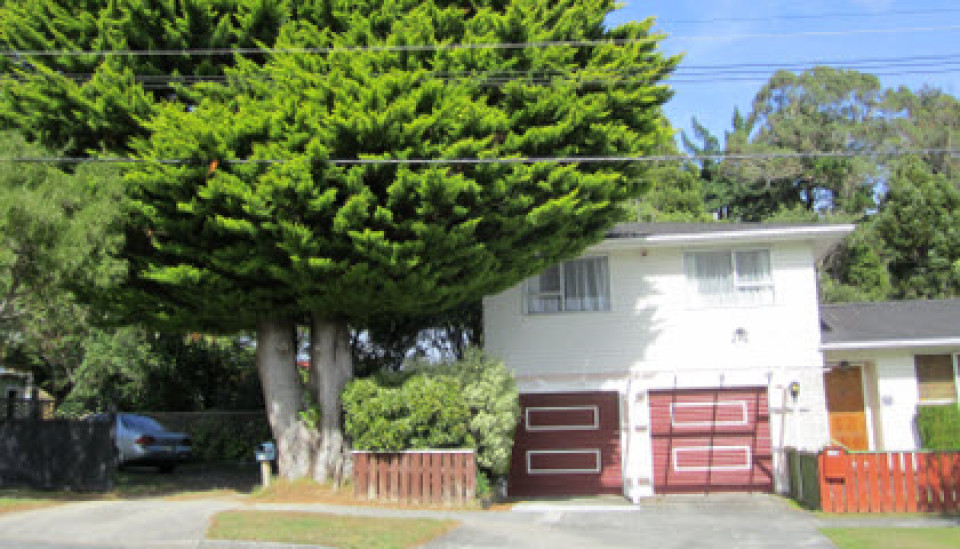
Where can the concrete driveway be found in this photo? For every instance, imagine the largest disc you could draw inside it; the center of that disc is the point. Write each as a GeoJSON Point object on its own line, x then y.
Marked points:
{"type": "Point", "coordinates": [722, 521]}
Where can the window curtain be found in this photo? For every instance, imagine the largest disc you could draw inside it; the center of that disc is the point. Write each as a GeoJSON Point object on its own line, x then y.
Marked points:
{"type": "Point", "coordinates": [713, 274]}
{"type": "Point", "coordinates": [586, 285]}
{"type": "Point", "coordinates": [754, 284]}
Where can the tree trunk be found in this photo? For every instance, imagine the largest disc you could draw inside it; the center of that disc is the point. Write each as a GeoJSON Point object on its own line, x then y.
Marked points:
{"type": "Point", "coordinates": [283, 396]}
{"type": "Point", "coordinates": [331, 363]}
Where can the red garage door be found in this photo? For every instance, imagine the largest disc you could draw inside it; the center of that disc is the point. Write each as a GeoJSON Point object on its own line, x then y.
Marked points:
{"type": "Point", "coordinates": [712, 440]}
{"type": "Point", "coordinates": [567, 444]}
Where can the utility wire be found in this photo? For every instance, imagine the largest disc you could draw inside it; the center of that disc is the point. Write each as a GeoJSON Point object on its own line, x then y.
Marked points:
{"type": "Point", "coordinates": [500, 160]}
{"type": "Point", "coordinates": [455, 46]}
{"type": "Point", "coordinates": [685, 74]}
{"type": "Point", "coordinates": [828, 15]}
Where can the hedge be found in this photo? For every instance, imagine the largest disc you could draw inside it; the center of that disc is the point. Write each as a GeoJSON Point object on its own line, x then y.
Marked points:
{"type": "Point", "coordinates": [471, 403]}
{"type": "Point", "coordinates": [219, 436]}
{"type": "Point", "coordinates": [939, 427]}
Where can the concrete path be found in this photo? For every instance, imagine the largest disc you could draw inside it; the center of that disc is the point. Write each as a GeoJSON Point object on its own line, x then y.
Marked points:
{"type": "Point", "coordinates": [721, 521]}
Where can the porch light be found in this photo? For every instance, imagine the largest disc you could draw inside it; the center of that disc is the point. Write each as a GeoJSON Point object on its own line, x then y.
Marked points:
{"type": "Point", "coordinates": [794, 389]}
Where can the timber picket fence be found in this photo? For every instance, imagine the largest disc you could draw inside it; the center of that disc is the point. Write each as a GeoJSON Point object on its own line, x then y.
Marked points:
{"type": "Point", "coordinates": [445, 477]}
{"type": "Point", "coordinates": [885, 482]}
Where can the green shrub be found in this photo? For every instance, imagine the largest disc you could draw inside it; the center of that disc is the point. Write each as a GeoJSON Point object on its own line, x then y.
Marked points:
{"type": "Point", "coordinates": [469, 403]}
{"type": "Point", "coordinates": [421, 413]}
{"type": "Point", "coordinates": [939, 427]}
{"type": "Point", "coordinates": [490, 393]}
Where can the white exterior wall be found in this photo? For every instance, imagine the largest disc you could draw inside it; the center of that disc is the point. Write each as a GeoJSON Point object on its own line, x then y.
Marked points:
{"type": "Point", "coordinates": [893, 417]}
{"type": "Point", "coordinates": [657, 336]}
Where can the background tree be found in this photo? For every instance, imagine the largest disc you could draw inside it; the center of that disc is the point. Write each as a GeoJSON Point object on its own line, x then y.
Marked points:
{"type": "Point", "coordinates": [919, 224]}
{"type": "Point", "coordinates": [286, 234]}
{"type": "Point", "coordinates": [820, 110]}
{"type": "Point", "coordinates": [59, 231]}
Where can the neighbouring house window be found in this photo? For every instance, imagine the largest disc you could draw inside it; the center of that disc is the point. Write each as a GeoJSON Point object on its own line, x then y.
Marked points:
{"type": "Point", "coordinates": [578, 285]}
{"type": "Point", "coordinates": [731, 277]}
{"type": "Point", "coordinates": [936, 378]}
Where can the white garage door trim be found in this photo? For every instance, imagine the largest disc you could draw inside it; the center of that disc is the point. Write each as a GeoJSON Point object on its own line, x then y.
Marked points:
{"type": "Point", "coordinates": [735, 403]}
{"type": "Point", "coordinates": [594, 452]}
{"type": "Point", "coordinates": [748, 463]}
{"type": "Point", "coordinates": [595, 410]}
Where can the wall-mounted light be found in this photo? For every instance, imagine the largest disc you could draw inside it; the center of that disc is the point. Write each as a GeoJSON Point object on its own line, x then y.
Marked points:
{"type": "Point", "coordinates": [794, 389]}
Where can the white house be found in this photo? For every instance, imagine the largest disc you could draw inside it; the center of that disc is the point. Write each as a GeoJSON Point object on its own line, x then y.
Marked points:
{"type": "Point", "coordinates": [670, 357]}
{"type": "Point", "coordinates": [886, 360]}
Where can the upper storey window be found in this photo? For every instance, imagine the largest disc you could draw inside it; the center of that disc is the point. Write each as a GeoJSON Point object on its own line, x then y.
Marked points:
{"type": "Point", "coordinates": [578, 285]}
{"type": "Point", "coordinates": [731, 277]}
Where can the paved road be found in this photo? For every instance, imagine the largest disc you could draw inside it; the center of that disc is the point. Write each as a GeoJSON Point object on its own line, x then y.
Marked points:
{"type": "Point", "coordinates": [721, 521]}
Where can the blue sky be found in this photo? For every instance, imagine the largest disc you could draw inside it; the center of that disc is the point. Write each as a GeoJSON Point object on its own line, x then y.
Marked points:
{"type": "Point", "coordinates": [723, 32]}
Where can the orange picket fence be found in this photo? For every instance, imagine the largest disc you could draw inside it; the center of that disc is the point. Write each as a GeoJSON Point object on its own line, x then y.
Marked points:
{"type": "Point", "coordinates": [884, 482]}
{"type": "Point", "coordinates": [417, 476]}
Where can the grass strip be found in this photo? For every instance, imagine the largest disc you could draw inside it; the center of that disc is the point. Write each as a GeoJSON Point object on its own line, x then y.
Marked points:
{"type": "Point", "coordinates": [327, 529]}
{"type": "Point", "coordinates": [894, 538]}
{"type": "Point", "coordinates": [9, 505]}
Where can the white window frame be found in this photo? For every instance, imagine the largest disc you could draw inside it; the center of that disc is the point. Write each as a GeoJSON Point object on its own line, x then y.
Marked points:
{"type": "Point", "coordinates": [561, 293]}
{"type": "Point", "coordinates": [689, 262]}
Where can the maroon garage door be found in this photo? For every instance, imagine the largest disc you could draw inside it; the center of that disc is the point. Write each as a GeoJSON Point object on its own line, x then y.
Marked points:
{"type": "Point", "coordinates": [567, 444]}
{"type": "Point", "coordinates": [711, 440]}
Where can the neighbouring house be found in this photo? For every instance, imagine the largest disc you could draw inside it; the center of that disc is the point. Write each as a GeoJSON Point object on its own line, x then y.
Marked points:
{"type": "Point", "coordinates": [671, 357]}
{"type": "Point", "coordinates": [885, 360]}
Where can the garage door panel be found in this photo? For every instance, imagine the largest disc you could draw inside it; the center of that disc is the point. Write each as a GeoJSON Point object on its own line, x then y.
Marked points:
{"type": "Point", "coordinates": [567, 444]}
{"type": "Point", "coordinates": [711, 440]}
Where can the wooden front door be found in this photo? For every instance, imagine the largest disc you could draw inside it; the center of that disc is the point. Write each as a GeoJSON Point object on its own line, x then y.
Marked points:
{"type": "Point", "coordinates": [848, 420]}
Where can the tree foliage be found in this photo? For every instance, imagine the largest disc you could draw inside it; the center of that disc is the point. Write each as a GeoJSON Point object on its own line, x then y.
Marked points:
{"type": "Point", "coordinates": [59, 233]}
{"type": "Point", "coordinates": [131, 370]}
{"type": "Point", "coordinates": [358, 241]}
{"type": "Point", "coordinates": [83, 104]}
{"type": "Point", "coordinates": [919, 223]}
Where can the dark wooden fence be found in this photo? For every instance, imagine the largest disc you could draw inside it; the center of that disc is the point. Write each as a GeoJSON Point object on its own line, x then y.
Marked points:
{"type": "Point", "coordinates": [417, 476]}
{"type": "Point", "coordinates": [57, 454]}
{"type": "Point", "coordinates": [884, 482]}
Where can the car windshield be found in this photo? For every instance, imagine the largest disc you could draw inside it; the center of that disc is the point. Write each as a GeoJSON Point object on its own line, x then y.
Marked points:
{"type": "Point", "coordinates": [141, 422]}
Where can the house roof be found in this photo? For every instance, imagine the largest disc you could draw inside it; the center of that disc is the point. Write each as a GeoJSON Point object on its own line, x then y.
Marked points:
{"type": "Point", "coordinates": [822, 235]}
{"type": "Point", "coordinates": [646, 230]}
{"type": "Point", "coordinates": [890, 324]}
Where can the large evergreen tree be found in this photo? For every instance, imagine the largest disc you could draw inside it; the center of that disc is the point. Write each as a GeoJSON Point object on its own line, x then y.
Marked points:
{"type": "Point", "coordinates": [82, 103]}
{"type": "Point", "coordinates": [258, 227]}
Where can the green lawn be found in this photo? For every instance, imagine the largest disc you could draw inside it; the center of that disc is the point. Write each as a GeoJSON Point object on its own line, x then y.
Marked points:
{"type": "Point", "coordinates": [894, 538]}
{"type": "Point", "coordinates": [9, 504]}
{"type": "Point", "coordinates": [326, 529]}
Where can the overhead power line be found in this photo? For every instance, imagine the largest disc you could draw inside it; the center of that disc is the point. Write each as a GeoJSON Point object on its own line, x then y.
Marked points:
{"type": "Point", "coordinates": [685, 74]}
{"type": "Point", "coordinates": [810, 16]}
{"type": "Point", "coordinates": [498, 160]}
{"type": "Point", "coordinates": [454, 46]}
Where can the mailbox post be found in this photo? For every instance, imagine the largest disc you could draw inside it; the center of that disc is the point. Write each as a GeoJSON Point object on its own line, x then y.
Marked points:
{"type": "Point", "coordinates": [266, 452]}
